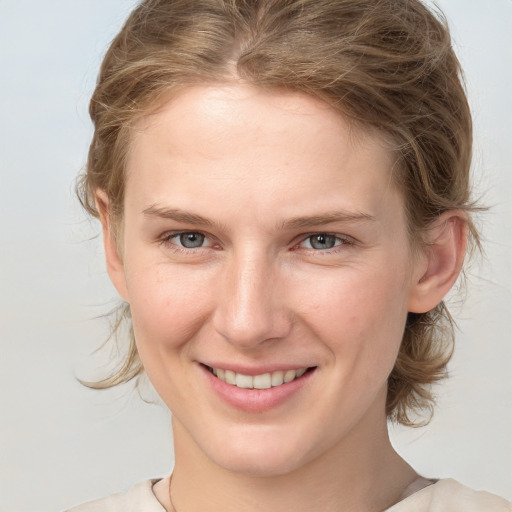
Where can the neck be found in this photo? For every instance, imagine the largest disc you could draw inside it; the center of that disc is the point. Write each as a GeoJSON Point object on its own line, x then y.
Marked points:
{"type": "Point", "coordinates": [362, 473]}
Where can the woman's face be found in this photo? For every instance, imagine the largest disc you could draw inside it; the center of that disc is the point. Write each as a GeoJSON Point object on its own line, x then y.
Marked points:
{"type": "Point", "coordinates": [264, 239]}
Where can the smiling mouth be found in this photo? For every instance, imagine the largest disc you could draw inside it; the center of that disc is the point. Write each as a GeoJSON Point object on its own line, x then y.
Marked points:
{"type": "Point", "coordinates": [263, 381]}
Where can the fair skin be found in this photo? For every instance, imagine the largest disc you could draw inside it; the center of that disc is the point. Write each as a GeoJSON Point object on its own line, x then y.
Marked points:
{"type": "Point", "coordinates": [262, 234]}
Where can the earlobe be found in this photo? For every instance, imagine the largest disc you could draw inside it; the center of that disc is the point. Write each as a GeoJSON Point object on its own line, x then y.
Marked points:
{"type": "Point", "coordinates": [443, 261]}
{"type": "Point", "coordinates": [115, 266]}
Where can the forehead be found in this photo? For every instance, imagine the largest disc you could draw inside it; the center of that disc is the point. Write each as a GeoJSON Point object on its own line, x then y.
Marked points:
{"type": "Point", "coordinates": [212, 110]}
{"type": "Point", "coordinates": [279, 150]}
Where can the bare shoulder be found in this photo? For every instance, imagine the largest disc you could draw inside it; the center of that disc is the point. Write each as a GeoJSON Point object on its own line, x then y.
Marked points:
{"type": "Point", "coordinates": [448, 495]}
{"type": "Point", "coordinates": [454, 496]}
{"type": "Point", "coordinates": [139, 497]}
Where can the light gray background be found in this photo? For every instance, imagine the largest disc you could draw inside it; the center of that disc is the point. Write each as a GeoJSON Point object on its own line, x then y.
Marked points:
{"type": "Point", "coordinates": [60, 443]}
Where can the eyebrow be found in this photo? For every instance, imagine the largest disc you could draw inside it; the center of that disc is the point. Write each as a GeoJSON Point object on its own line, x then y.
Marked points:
{"type": "Point", "coordinates": [301, 222]}
{"type": "Point", "coordinates": [327, 218]}
{"type": "Point", "coordinates": [177, 215]}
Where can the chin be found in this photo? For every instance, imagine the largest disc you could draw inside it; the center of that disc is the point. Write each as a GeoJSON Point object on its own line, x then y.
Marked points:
{"type": "Point", "coordinates": [254, 464]}
{"type": "Point", "coordinates": [260, 453]}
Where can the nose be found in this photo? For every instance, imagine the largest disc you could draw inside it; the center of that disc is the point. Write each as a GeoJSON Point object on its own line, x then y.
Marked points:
{"type": "Point", "coordinates": [251, 307]}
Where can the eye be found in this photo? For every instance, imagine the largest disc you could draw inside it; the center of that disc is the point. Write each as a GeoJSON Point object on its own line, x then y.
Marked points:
{"type": "Point", "coordinates": [187, 240]}
{"type": "Point", "coordinates": [323, 241]}
{"type": "Point", "coordinates": [190, 240]}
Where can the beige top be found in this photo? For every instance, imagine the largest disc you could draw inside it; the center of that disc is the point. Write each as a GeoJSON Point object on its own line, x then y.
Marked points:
{"type": "Point", "coordinates": [442, 496]}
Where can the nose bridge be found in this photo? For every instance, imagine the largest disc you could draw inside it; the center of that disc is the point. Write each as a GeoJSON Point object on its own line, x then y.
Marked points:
{"type": "Point", "coordinates": [250, 308]}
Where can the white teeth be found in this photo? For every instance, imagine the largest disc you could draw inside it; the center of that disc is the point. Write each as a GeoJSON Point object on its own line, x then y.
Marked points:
{"type": "Point", "coordinates": [277, 378]}
{"type": "Point", "coordinates": [290, 375]}
{"type": "Point", "coordinates": [243, 381]}
{"type": "Point", "coordinates": [230, 377]}
{"type": "Point", "coordinates": [263, 381]}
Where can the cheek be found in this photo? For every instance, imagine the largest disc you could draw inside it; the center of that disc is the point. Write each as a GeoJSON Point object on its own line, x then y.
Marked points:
{"type": "Point", "coordinates": [360, 317]}
{"type": "Point", "coordinates": [168, 308]}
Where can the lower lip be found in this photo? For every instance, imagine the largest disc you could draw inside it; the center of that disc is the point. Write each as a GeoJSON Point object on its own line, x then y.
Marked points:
{"type": "Point", "coordinates": [255, 400]}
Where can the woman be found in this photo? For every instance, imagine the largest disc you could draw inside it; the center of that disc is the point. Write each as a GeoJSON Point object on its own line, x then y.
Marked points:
{"type": "Point", "coordinates": [284, 192]}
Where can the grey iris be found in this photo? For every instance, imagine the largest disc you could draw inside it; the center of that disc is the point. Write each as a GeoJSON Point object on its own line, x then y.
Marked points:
{"type": "Point", "coordinates": [191, 240]}
{"type": "Point", "coordinates": [322, 241]}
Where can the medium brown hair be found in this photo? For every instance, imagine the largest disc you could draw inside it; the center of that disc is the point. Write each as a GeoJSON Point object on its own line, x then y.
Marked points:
{"type": "Point", "coordinates": [384, 64]}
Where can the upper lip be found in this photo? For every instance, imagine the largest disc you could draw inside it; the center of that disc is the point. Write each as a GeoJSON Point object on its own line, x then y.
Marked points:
{"type": "Point", "coordinates": [256, 370]}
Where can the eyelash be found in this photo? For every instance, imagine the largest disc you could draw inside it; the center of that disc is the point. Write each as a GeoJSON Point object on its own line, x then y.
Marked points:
{"type": "Point", "coordinates": [341, 241]}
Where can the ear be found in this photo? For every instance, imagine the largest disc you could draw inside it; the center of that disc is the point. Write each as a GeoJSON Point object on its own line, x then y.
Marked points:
{"type": "Point", "coordinates": [115, 266]}
{"type": "Point", "coordinates": [441, 263]}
